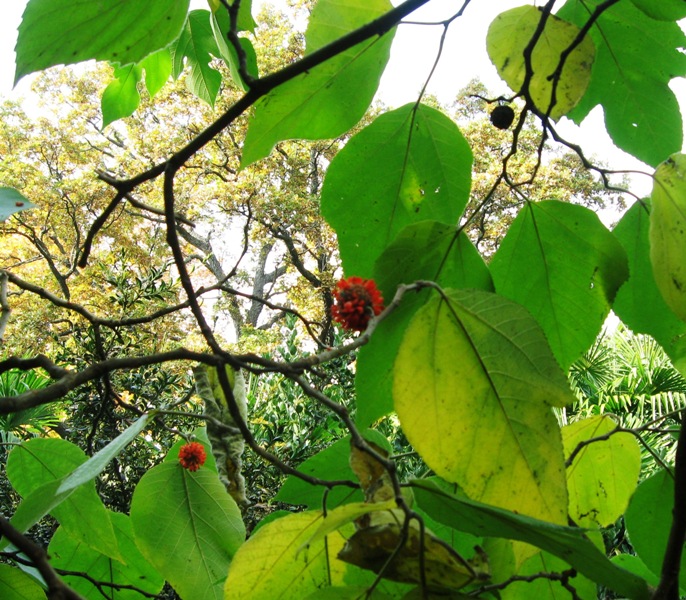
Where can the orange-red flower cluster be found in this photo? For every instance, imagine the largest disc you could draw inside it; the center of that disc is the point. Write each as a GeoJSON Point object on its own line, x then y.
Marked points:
{"type": "Point", "coordinates": [192, 456]}
{"type": "Point", "coordinates": [357, 300]}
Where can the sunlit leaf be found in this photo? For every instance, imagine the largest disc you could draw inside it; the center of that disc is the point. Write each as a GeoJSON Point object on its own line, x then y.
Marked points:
{"type": "Point", "coordinates": [668, 232]}
{"type": "Point", "coordinates": [188, 527]}
{"type": "Point", "coordinates": [197, 45]}
{"type": "Point", "coordinates": [568, 543]}
{"type": "Point", "coordinates": [70, 554]}
{"type": "Point", "coordinates": [411, 164]}
{"type": "Point", "coordinates": [332, 97]}
{"type": "Point", "coordinates": [158, 68]}
{"type": "Point", "coordinates": [17, 585]}
{"type": "Point", "coordinates": [603, 474]}
{"type": "Point", "coordinates": [431, 251]}
{"type": "Point", "coordinates": [12, 201]}
{"type": "Point", "coordinates": [636, 57]}
{"type": "Point", "coordinates": [570, 299]}
{"type": "Point", "coordinates": [511, 33]}
{"type": "Point", "coordinates": [121, 98]}
{"type": "Point", "coordinates": [474, 382]}
{"type": "Point", "coordinates": [664, 10]}
{"type": "Point", "coordinates": [639, 303]}
{"type": "Point", "coordinates": [54, 32]}
{"type": "Point", "coordinates": [271, 566]}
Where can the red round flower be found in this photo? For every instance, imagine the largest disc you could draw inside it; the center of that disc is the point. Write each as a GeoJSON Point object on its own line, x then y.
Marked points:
{"type": "Point", "coordinates": [357, 300]}
{"type": "Point", "coordinates": [192, 456]}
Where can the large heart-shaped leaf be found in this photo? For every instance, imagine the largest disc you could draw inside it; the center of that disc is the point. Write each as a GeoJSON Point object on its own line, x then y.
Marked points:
{"type": "Point", "coordinates": [474, 382]}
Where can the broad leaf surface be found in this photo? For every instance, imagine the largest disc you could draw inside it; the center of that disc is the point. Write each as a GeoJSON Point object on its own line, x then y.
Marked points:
{"type": "Point", "coordinates": [639, 303]}
{"type": "Point", "coordinates": [664, 10]}
{"type": "Point", "coordinates": [197, 45]}
{"type": "Point", "coordinates": [158, 68]}
{"type": "Point", "coordinates": [411, 164]}
{"type": "Point", "coordinates": [569, 298]}
{"type": "Point", "coordinates": [649, 518]}
{"type": "Point", "coordinates": [474, 368]}
{"type": "Point", "coordinates": [331, 463]}
{"type": "Point", "coordinates": [12, 201]}
{"type": "Point", "coordinates": [17, 585]}
{"type": "Point", "coordinates": [68, 553]}
{"type": "Point", "coordinates": [636, 57]}
{"type": "Point", "coordinates": [332, 97]}
{"type": "Point", "coordinates": [55, 32]}
{"type": "Point", "coordinates": [542, 588]}
{"type": "Point", "coordinates": [568, 543]}
{"type": "Point", "coordinates": [45, 471]}
{"type": "Point", "coordinates": [603, 475]}
{"type": "Point", "coordinates": [508, 37]}
{"type": "Point", "coordinates": [431, 251]}
{"type": "Point", "coordinates": [121, 98]}
{"type": "Point", "coordinates": [188, 527]}
{"type": "Point", "coordinates": [271, 565]}
{"type": "Point", "coordinates": [667, 232]}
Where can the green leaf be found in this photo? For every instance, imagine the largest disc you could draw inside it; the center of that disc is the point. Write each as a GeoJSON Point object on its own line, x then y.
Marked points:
{"type": "Point", "coordinates": [509, 35]}
{"type": "Point", "coordinates": [649, 518]}
{"type": "Point", "coordinates": [330, 98]}
{"type": "Point", "coordinates": [17, 585]}
{"type": "Point", "coordinates": [12, 201]}
{"type": "Point", "coordinates": [474, 367]}
{"type": "Point", "coordinates": [668, 232]}
{"type": "Point", "coordinates": [121, 98]}
{"type": "Point", "coordinates": [54, 32]}
{"type": "Point", "coordinates": [269, 566]}
{"type": "Point", "coordinates": [568, 543]}
{"type": "Point", "coordinates": [69, 553]}
{"type": "Point", "coordinates": [66, 470]}
{"type": "Point", "coordinates": [664, 10]}
{"type": "Point", "coordinates": [220, 24]}
{"type": "Point", "coordinates": [158, 67]}
{"type": "Point", "coordinates": [332, 463]}
{"type": "Point", "coordinates": [639, 303]}
{"type": "Point", "coordinates": [188, 527]}
{"type": "Point", "coordinates": [411, 164]}
{"type": "Point", "coordinates": [431, 251]}
{"type": "Point", "coordinates": [569, 298]}
{"type": "Point", "coordinates": [603, 475]}
{"type": "Point", "coordinates": [549, 589]}
{"type": "Point", "coordinates": [39, 470]}
{"type": "Point", "coordinates": [636, 57]}
{"type": "Point", "coordinates": [196, 44]}
{"type": "Point", "coordinates": [426, 250]}
{"type": "Point", "coordinates": [349, 593]}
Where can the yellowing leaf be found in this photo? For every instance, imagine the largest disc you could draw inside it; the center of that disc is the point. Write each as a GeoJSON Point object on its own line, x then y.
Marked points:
{"type": "Point", "coordinates": [668, 232]}
{"type": "Point", "coordinates": [269, 566]}
{"type": "Point", "coordinates": [509, 35]}
{"type": "Point", "coordinates": [474, 381]}
{"type": "Point", "coordinates": [374, 478]}
{"type": "Point", "coordinates": [603, 475]}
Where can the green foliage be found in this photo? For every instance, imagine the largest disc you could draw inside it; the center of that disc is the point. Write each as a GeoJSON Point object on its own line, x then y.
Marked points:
{"type": "Point", "coordinates": [452, 410]}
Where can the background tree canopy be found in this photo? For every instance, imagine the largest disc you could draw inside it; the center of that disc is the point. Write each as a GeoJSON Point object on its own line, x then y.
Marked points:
{"type": "Point", "coordinates": [264, 337]}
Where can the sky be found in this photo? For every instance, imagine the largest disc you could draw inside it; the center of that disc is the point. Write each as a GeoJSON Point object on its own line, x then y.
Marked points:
{"type": "Point", "coordinates": [414, 50]}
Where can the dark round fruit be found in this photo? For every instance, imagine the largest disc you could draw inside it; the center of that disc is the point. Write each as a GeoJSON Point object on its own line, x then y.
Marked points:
{"type": "Point", "coordinates": [502, 117]}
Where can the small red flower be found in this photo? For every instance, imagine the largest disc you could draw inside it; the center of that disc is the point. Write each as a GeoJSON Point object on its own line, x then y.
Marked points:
{"type": "Point", "coordinates": [357, 300]}
{"type": "Point", "coordinates": [192, 456]}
